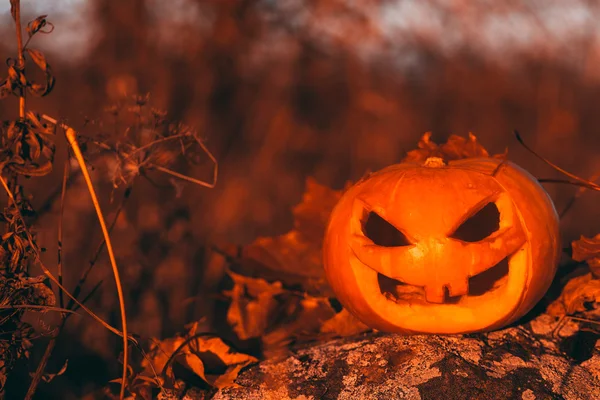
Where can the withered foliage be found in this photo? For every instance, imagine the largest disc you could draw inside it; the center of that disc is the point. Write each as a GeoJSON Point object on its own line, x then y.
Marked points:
{"type": "Point", "coordinates": [295, 257]}
{"type": "Point", "coordinates": [146, 141]}
{"type": "Point", "coordinates": [17, 83]}
{"type": "Point", "coordinates": [139, 138]}
{"type": "Point", "coordinates": [26, 150]}
{"type": "Point", "coordinates": [455, 148]}
{"type": "Point", "coordinates": [581, 294]}
{"type": "Point", "coordinates": [279, 293]}
{"type": "Point", "coordinates": [205, 356]}
{"type": "Point", "coordinates": [27, 146]}
{"type": "Point", "coordinates": [588, 250]}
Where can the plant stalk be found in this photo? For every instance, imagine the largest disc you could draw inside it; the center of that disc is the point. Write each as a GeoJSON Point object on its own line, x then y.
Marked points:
{"type": "Point", "coordinates": [21, 62]}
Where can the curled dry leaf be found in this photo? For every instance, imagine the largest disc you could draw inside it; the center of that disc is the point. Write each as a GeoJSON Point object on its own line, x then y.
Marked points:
{"type": "Point", "coordinates": [37, 24]}
{"type": "Point", "coordinates": [48, 377]}
{"type": "Point", "coordinates": [588, 250]}
{"type": "Point", "coordinates": [211, 359]}
{"type": "Point", "coordinates": [578, 292]}
{"type": "Point", "coordinates": [38, 89]}
{"type": "Point", "coordinates": [281, 317]}
{"type": "Point", "coordinates": [252, 306]}
{"type": "Point", "coordinates": [457, 147]}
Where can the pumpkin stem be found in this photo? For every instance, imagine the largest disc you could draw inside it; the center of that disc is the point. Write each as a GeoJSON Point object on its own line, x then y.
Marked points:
{"type": "Point", "coordinates": [434, 162]}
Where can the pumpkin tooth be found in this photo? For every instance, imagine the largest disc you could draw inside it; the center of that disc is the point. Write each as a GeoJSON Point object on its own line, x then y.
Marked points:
{"type": "Point", "coordinates": [435, 294]}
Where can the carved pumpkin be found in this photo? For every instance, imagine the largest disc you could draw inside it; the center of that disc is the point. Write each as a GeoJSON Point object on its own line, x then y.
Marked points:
{"type": "Point", "coordinates": [435, 248]}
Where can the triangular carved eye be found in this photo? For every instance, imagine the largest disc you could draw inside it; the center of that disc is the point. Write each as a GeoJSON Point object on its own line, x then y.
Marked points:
{"type": "Point", "coordinates": [382, 233]}
{"type": "Point", "coordinates": [479, 226]}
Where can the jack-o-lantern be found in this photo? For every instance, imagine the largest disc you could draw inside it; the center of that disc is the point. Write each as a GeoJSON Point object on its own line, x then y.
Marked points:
{"type": "Point", "coordinates": [433, 248]}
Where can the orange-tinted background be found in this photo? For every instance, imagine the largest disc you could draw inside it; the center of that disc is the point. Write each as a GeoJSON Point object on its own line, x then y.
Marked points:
{"type": "Point", "coordinates": [282, 90]}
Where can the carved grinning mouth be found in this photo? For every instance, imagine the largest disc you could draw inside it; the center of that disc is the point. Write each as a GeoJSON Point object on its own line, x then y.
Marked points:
{"type": "Point", "coordinates": [479, 285]}
{"type": "Point", "coordinates": [476, 228]}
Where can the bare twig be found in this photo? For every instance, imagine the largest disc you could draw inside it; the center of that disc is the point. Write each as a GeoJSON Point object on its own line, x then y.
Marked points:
{"type": "Point", "coordinates": [39, 372]}
{"type": "Point", "coordinates": [99, 249]}
{"type": "Point", "coordinates": [49, 274]}
{"type": "Point", "coordinates": [60, 228]}
{"type": "Point", "coordinates": [17, 10]}
{"type": "Point", "coordinates": [576, 180]}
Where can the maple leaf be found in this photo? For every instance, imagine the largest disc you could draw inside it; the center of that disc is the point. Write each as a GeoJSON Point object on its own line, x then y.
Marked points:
{"type": "Point", "coordinates": [455, 148]}
{"type": "Point", "coordinates": [576, 293]}
{"type": "Point", "coordinates": [588, 250]}
{"type": "Point", "coordinates": [294, 258]}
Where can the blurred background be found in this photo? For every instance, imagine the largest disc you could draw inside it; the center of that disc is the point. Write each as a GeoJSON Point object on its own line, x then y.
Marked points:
{"type": "Point", "coordinates": [286, 89]}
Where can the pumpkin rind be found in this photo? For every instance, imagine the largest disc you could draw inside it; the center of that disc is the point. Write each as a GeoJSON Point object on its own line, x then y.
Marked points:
{"type": "Point", "coordinates": [426, 202]}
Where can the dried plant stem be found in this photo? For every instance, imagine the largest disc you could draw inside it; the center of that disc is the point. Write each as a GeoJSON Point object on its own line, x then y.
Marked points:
{"type": "Point", "coordinates": [53, 278]}
{"type": "Point", "coordinates": [99, 249]}
{"type": "Point", "coordinates": [60, 228]}
{"type": "Point", "coordinates": [40, 368]}
{"type": "Point", "coordinates": [72, 139]}
{"type": "Point", "coordinates": [50, 347]}
{"type": "Point", "coordinates": [17, 11]}
{"type": "Point", "coordinates": [577, 181]}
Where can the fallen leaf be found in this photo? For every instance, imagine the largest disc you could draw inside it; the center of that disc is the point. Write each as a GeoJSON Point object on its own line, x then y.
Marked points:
{"type": "Point", "coordinates": [295, 257]}
{"type": "Point", "coordinates": [198, 354]}
{"type": "Point", "coordinates": [303, 321]}
{"type": "Point", "coordinates": [252, 305]}
{"type": "Point", "coordinates": [455, 148]}
{"type": "Point", "coordinates": [578, 291]}
{"type": "Point", "coordinates": [588, 250]}
{"type": "Point", "coordinates": [343, 324]}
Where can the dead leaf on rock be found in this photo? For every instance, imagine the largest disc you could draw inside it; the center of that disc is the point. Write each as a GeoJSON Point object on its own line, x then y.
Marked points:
{"type": "Point", "coordinates": [456, 148]}
{"type": "Point", "coordinates": [343, 324]}
{"type": "Point", "coordinates": [578, 291]}
{"type": "Point", "coordinates": [209, 358]}
{"type": "Point", "coordinates": [588, 250]}
{"type": "Point", "coordinates": [252, 305]}
{"type": "Point", "coordinates": [281, 317]}
{"type": "Point", "coordinates": [302, 322]}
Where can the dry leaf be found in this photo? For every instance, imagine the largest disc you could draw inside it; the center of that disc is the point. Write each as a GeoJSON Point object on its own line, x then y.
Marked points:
{"type": "Point", "coordinates": [201, 355]}
{"type": "Point", "coordinates": [252, 305]}
{"type": "Point", "coordinates": [588, 250]}
{"type": "Point", "coordinates": [343, 324]}
{"type": "Point", "coordinates": [295, 257]}
{"type": "Point", "coordinates": [457, 147]}
{"type": "Point", "coordinates": [262, 309]}
{"type": "Point", "coordinates": [303, 320]}
{"type": "Point", "coordinates": [578, 291]}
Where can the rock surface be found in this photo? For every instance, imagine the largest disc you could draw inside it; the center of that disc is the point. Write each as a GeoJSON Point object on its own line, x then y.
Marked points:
{"type": "Point", "coordinates": [514, 363]}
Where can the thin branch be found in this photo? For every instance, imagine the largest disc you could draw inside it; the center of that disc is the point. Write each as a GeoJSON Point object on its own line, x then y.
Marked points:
{"type": "Point", "coordinates": [49, 274]}
{"type": "Point", "coordinates": [39, 372]}
{"type": "Point", "coordinates": [21, 66]}
{"type": "Point", "coordinates": [99, 249]}
{"type": "Point", "coordinates": [60, 228]}
{"type": "Point", "coordinates": [581, 181]}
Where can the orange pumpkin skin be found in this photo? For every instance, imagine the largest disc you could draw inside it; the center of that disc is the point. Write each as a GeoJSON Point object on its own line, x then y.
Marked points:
{"type": "Point", "coordinates": [436, 272]}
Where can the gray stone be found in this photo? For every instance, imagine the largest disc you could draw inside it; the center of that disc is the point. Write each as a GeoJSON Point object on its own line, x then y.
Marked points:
{"type": "Point", "coordinates": [513, 363]}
